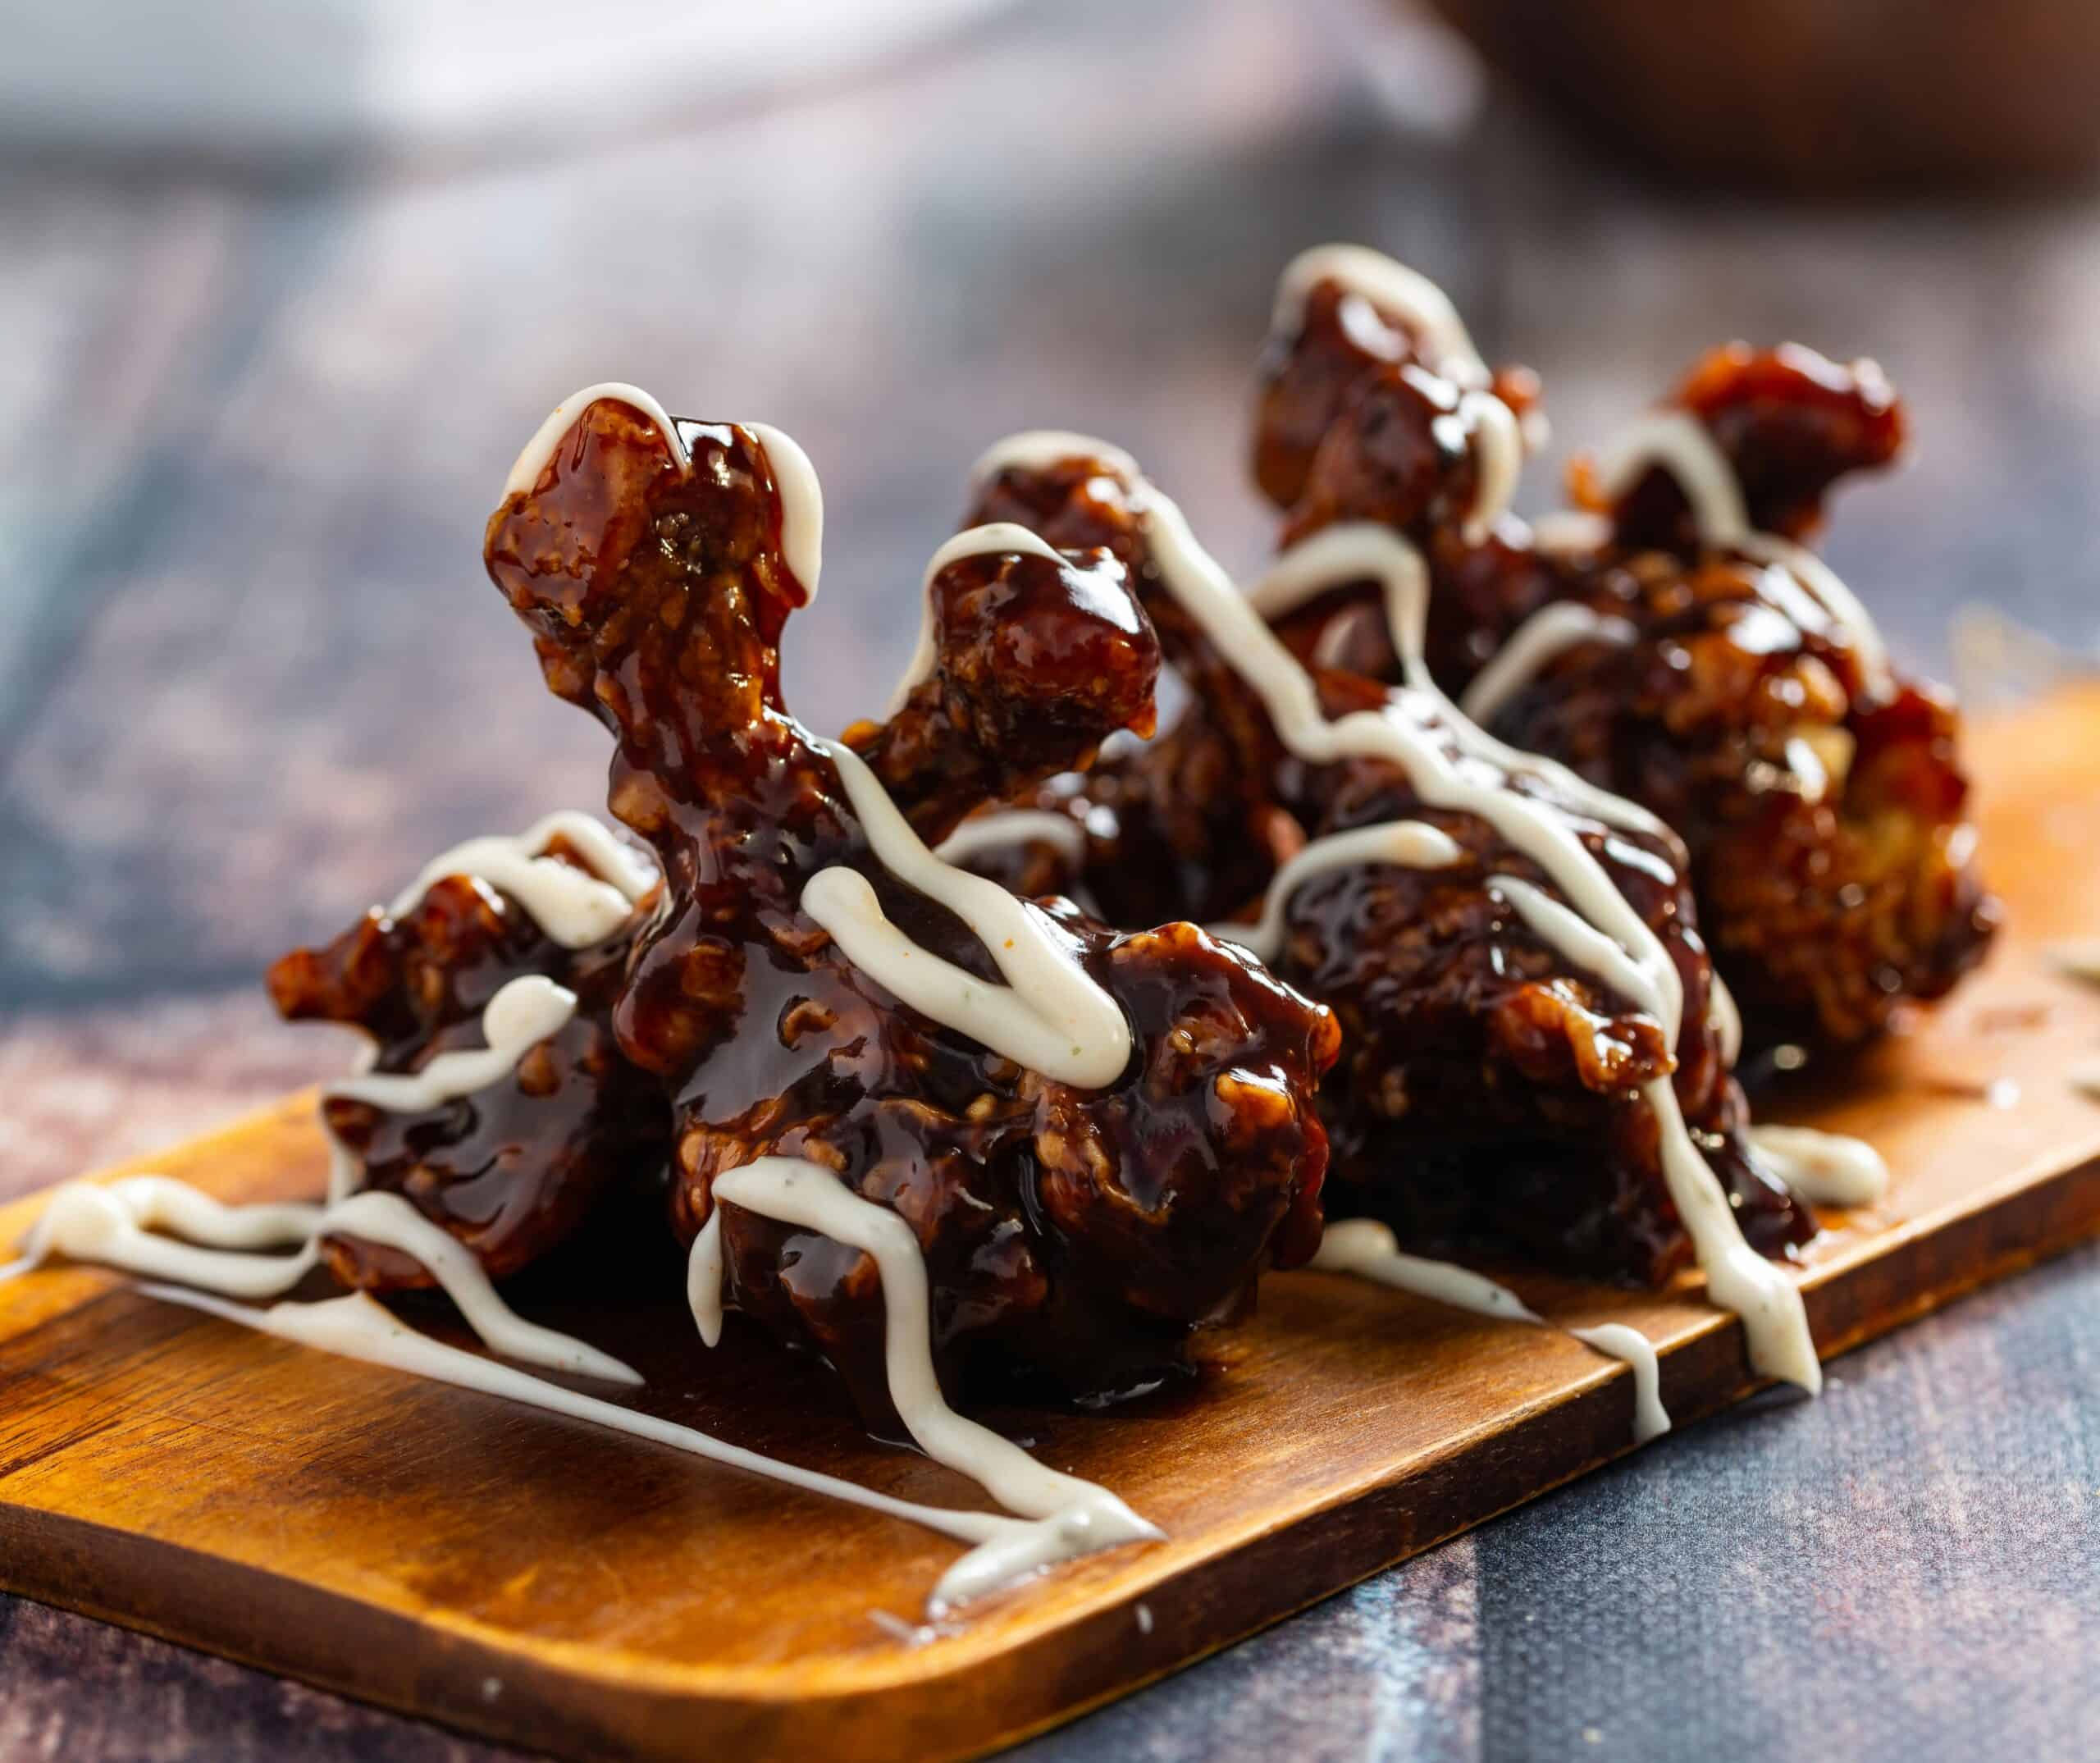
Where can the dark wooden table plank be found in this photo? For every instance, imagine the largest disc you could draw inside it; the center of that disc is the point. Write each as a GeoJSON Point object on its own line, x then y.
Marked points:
{"type": "Point", "coordinates": [250, 675]}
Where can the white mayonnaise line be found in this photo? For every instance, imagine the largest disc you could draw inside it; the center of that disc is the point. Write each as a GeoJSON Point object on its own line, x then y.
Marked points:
{"type": "Point", "coordinates": [525, 473]}
{"type": "Point", "coordinates": [1499, 458]}
{"type": "Point", "coordinates": [794, 478]}
{"type": "Point", "coordinates": [1656, 986]}
{"type": "Point", "coordinates": [109, 1226]}
{"type": "Point", "coordinates": [704, 1280]}
{"type": "Point", "coordinates": [1037, 448]}
{"type": "Point", "coordinates": [356, 1327]}
{"type": "Point", "coordinates": [1738, 1277]}
{"type": "Point", "coordinates": [1368, 1249]}
{"type": "Point", "coordinates": [2078, 958]}
{"type": "Point", "coordinates": [1845, 608]}
{"type": "Point", "coordinates": [1678, 443]}
{"type": "Point", "coordinates": [1355, 550]}
{"type": "Point", "coordinates": [1014, 826]}
{"type": "Point", "coordinates": [1404, 294]}
{"type": "Point", "coordinates": [576, 907]}
{"type": "Point", "coordinates": [1570, 529]}
{"type": "Point", "coordinates": [1406, 844]}
{"type": "Point", "coordinates": [1548, 632]}
{"type": "Point", "coordinates": [1826, 1167]}
{"type": "Point", "coordinates": [801, 504]}
{"type": "Point", "coordinates": [523, 1014]}
{"type": "Point", "coordinates": [1050, 1016]}
{"type": "Point", "coordinates": [995, 538]}
{"type": "Point", "coordinates": [1070, 1517]}
{"type": "Point", "coordinates": [1775, 1324]}
{"type": "Point", "coordinates": [1725, 1020]}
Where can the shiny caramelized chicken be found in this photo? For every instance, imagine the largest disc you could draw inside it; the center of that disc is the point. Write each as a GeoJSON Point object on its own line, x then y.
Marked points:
{"type": "Point", "coordinates": [1679, 648]}
{"type": "Point", "coordinates": [1488, 1091]}
{"type": "Point", "coordinates": [512, 1168]}
{"type": "Point", "coordinates": [1075, 1231]}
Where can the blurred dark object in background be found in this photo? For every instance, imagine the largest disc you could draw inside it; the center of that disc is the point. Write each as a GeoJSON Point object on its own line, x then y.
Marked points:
{"type": "Point", "coordinates": [1813, 97]}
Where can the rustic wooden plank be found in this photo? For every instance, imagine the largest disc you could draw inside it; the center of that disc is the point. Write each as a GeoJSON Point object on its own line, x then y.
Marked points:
{"type": "Point", "coordinates": [202, 1482]}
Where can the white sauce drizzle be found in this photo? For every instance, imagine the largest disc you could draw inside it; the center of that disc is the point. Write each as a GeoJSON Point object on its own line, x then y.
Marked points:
{"type": "Point", "coordinates": [526, 1011]}
{"type": "Point", "coordinates": [1014, 826]}
{"type": "Point", "coordinates": [1362, 550]}
{"type": "Point", "coordinates": [1550, 631]}
{"type": "Point", "coordinates": [995, 538]}
{"type": "Point", "coordinates": [1037, 448]}
{"type": "Point", "coordinates": [1408, 295]}
{"type": "Point", "coordinates": [1068, 1516]}
{"type": "Point", "coordinates": [547, 439]}
{"type": "Point", "coordinates": [1657, 985]}
{"type": "Point", "coordinates": [2077, 959]}
{"type": "Point", "coordinates": [1570, 529]}
{"type": "Point", "coordinates": [1775, 1324]}
{"type": "Point", "coordinates": [1678, 443]}
{"type": "Point", "coordinates": [1050, 1016]}
{"type": "Point", "coordinates": [1366, 1249]}
{"type": "Point", "coordinates": [358, 1327]}
{"type": "Point", "coordinates": [1406, 844]}
{"type": "Point", "coordinates": [1725, 1018]}
{"type": "Point", "coordinates": [1825, 1168]}
{"type": "Point", "coordinates": [576, 907]}
{"type": "Point", "coordinates": [112, 1226]}
{"type": "Point", "coordinates": [801, 504]}
{"type": "Point", "coordinates": [794, 478]}
{"type": "Point", "coordinates": [1498, 461]}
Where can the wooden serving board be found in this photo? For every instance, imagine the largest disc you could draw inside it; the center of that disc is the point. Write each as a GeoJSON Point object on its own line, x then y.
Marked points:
{"type": "Point", "coordinates": [538, 1580]}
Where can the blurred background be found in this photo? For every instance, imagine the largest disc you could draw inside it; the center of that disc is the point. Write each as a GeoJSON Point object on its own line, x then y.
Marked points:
{"type": "Point", "coordinates": [283, 288]}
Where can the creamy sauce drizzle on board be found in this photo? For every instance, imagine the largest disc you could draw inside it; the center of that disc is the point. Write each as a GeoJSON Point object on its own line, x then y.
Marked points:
{"type": "Point", "coordinates": [1366, 1249]}
{"type": "Point", "coordinates": [2079, 959]}
{"type": "Point", "coordinates": [1066, 1516]}
{"type": "Point", "coordinates": [1598, 930]}
{"type": "Point", "coordinates": [1826, 1167]}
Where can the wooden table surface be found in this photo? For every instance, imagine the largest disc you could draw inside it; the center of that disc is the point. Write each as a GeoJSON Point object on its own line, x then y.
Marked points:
{"type": "Point", "coordinates": [250, 675]}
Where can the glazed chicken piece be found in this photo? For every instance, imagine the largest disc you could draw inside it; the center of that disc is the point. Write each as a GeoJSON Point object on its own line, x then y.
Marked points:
{"type": "Point", "coordinates": [1487, 1095]}
{"type": "Point", "coordinates": [512, 1167]}
{"type": "Point", "coordinates": [1072, 1232]}
{"type": "Point", "coordinates": [1682, 651]}
{"type": "Point", "coordinates": [1026, 680]}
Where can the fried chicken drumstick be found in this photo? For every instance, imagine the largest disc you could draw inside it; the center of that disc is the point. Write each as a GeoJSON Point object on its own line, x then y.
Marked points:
{"type": "Point", "coordinates": [1679, 647]}
{"type": "Point", "coordinates": [1076, 1223]}
{"type": "Point", "coordinates": [1490, 1093]}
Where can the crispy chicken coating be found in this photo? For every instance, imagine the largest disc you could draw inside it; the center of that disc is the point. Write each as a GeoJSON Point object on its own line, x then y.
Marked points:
{"type": "Point", "coordinates": [1820, 796]}
{"type": "Point", "coordinates": [1485, 1096]}
{"type": "Point", "coordinates": [1076, 1235]}
{"type": "Point", "coordinates": [512, 1169]}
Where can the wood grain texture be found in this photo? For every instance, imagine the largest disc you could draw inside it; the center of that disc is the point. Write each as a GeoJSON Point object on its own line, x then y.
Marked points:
{"type": "Point", "coordinates": [528, 1577]}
